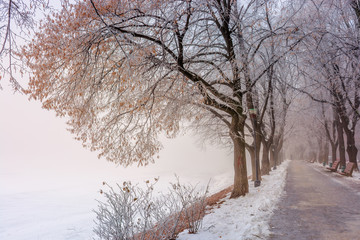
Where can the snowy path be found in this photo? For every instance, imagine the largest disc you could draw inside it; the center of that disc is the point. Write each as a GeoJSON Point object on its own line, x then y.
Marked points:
{"type": "Point", "coordinates": [317, 205]}
{"type": "Point", "coordinates": [244, 218]}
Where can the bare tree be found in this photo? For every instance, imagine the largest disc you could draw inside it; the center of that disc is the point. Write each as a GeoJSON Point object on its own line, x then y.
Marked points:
{"type": "Point", "coordinates": [16, 21]}
{"type": "Point", "coordinates": [330, 126]}
{"type": "Point", "coordinates": [332, 65]}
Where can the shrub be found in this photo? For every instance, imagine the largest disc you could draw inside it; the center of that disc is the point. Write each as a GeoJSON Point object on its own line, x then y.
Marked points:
{"type": "Point", "coordinates": [125, 213]}
{"type": "Point", "coordinates": [132, 213]}
{"type": "Point", "coordinates": [193, 204]}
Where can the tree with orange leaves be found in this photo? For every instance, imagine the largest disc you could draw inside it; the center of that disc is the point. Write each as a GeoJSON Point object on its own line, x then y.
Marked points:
{"type": "Point", "coordinates": [125, 71]}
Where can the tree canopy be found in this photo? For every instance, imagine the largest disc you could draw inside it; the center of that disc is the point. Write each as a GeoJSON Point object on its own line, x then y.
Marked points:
{"type": "Point", "coordinates": [16, 22]}
{"type": "Point", "coordinates": [126, 71]}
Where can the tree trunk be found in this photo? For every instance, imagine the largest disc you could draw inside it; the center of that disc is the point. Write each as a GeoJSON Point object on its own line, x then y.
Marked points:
{"type": "Point", "coordinates": [326, 152]}
{"type": "Point", "coordinates": [333, 152]}
{"type": "Point", "coordinates": [265, 163]}
{"type": "Point", "coordinates": [257, 152]}
{"type": "Point", "coordinates": [341, 144]}
{"type": "Point", "coordinates": [351, 148]}
{"type": "Point", "coordinates": [272, 158]}
{"type": "Point", "coordinates": [252, 158]}
{"type": "Point", "coordinates": [320, 149]}
{"type": "Point", "coordinates": [352, 153]}
{"type": "Point", "coordinates": [276, 156]}
{"type": "Point", "coordinates": [241, 185]}
{"type": "Point", "coordinates": [277, 149]}
{"type": "Point", "coordinates": [344, 123]}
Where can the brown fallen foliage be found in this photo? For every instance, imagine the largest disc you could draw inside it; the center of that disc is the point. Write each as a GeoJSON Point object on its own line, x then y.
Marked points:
{"type": "Point", "coordinates": [215, 198]}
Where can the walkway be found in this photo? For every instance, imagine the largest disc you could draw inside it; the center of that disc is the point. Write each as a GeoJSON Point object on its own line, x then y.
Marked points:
{"type": "Point", "coordinates": [316, 205]}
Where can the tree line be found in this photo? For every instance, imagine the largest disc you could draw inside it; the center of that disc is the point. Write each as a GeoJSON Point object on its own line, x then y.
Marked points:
{"type": "Point", "coordinates": [235, 72]}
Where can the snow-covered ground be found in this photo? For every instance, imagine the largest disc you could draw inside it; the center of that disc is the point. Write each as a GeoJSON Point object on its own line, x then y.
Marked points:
{"type": "Point", "coordinates": [45, 215]}
{"type": "Point", "coordinates": [66, 212]}
{"type": "Point", "coordinates": [246, 217]}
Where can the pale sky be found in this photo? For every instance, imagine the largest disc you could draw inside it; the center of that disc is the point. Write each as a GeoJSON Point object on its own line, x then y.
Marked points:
{"type": "Point", "coordinates": [36, 152]}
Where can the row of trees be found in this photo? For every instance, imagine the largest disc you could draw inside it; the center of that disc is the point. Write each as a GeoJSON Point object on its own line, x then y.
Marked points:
{"type": "Point", "coordinates": [330, 66]}
{"type": "Point", "coordinates": [126, 71]}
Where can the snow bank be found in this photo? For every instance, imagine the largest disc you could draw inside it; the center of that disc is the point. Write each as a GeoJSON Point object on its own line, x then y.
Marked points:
{"type": "Point", "coordinates": [245, 217]}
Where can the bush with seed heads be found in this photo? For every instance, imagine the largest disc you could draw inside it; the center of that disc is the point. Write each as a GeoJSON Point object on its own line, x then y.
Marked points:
{"type": "Point", "coordinates": [132, 213]}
